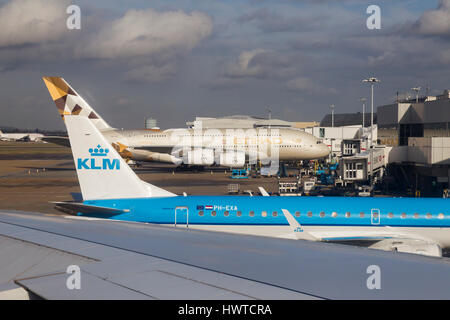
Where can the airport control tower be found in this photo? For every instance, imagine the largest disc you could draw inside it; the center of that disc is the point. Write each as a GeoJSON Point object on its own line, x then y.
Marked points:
{"type": "Point", "coordinates": [150, 123]}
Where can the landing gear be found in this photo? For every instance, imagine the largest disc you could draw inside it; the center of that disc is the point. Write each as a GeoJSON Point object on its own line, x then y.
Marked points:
{"type": "Point", "coordinates": [185, 167]}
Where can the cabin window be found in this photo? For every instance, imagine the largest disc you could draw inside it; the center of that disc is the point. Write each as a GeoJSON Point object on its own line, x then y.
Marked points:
{"type": "Point", "coordinates": [200, 213]}
{"type": "Point", "coordinates": [441, 216]}
{"type": "Point", "coordinates": [274, 213]}
{"type": "Point", "coordinates": [390, 215]}
{"type": "Point", "coordinates": [252, 213]}
{"type": "Point", "coordinates": [403, 215]}
{"type": "Point", "coordinates": [226, 213]}
{"type": "Point", "coordinates": [264, 214]}
{"type": "Point", "coordinates": [347, 214]}
{"type": "Point", "coordinates": [239, 213]}
{"type": "Point", "coordinates": [361, 214]}
{"type": "Point", "coordinates": [297, 213]}
{"type": "Point", "coordinates": [309, 214]}
{"type": "Point", "coordinates": [322, 214]}
{"type": "Point", "coordinates": [213, 213]}
{"type": "Point", "coordinates": [416, 215]}
{"type": "Point", "coordinates": [429, 215]}
{"type": "Point", "coordinates": [334, 214]}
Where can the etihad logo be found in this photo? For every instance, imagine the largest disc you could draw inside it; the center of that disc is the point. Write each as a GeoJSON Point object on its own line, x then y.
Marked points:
{"type": "Point", "coordinates": [98, 160]}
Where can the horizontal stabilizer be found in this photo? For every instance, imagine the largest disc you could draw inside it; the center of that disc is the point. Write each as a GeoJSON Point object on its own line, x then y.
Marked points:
{"type": "Point", "coordinates": [62, 141]}
{"type": "Point", "coordinates": [74, 208]}
{"type": "Point", "coordinates": [77, 197]}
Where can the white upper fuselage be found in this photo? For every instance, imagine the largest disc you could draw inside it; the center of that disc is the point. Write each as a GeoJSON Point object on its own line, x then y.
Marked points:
{"type": "Point", "coordinates": [284, 144]}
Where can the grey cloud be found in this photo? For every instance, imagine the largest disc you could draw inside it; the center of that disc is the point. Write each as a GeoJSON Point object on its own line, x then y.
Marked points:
{"type": "Point", "coordinates": [271, 21]}
{"type": "Point", "coordinates": [261, 63]}
{"type": "Point", "coordinates": [147, 44]}
{"type": "Point", "coordinates": [303, 84]}
{"type": "Point", "coordinates": [435, 22]}
{"type": "Point", "coordinates": [32, 21]}
{"type": "Point", "coordinates": [151, 73]}
{"type": "Point", "coordinates": [147, 32]}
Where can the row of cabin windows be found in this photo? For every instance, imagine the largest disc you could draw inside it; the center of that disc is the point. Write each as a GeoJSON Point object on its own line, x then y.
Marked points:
{"type": "Point", "coordinates": [229, 135]}
{"type": "Point", "coordinates": [155, 135]}
{"type": "Point", "coordinates": [250, 146]}
{"type": "Point", "coordinates": [322, 214]}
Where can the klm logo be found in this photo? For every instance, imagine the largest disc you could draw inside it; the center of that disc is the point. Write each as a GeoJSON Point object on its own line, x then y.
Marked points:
{"type": "Point", "coordinates": [298, 229]}
{"type": "Point", "coordinates": [98, 160]}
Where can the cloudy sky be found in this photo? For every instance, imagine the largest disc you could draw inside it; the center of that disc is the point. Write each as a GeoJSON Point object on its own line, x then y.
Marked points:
{"type": "Point", "coordinates": [174, 60]}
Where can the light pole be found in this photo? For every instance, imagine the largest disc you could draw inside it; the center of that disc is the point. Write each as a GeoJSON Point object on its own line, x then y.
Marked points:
{"type": "Point", "coordinates": [372, 81]}
{"type": "Point", "coordinates": [332, 114]}
{"type": "Point", "coordinates": [363, 100]}
{"type": "Point", "coordinates": [270, 115]}
{"type": "Point", "coordinates": [416, 89]}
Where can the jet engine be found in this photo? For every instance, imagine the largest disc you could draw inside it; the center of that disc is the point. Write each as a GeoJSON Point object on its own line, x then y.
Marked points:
{"type": "Point", "coordinates": [202, 157]}
{"type": "Point", "coordinates": [232, 159]}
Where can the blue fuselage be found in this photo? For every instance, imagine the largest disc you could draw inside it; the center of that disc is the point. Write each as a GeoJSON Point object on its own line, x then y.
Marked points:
{"type": "Point", "coordinates": [258, 210]}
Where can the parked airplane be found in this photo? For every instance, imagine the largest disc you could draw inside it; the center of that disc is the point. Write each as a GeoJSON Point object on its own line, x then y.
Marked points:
{"type": "Point", "coordinates": [226, 147]}
{"type": "Point", "coordinates": [110, 189]}
{"type": "Point", "coordinates": [20, 136]}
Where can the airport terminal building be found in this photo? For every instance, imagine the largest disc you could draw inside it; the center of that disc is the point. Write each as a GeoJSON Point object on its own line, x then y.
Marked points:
{"type": "Point", "coordinates": [245, 122]}
{"type": "Point", "coordinates": [419, 134]}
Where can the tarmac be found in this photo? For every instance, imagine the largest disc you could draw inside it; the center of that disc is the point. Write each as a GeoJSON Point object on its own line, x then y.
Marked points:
{"type": "Point", "coordinates": [32, 175]}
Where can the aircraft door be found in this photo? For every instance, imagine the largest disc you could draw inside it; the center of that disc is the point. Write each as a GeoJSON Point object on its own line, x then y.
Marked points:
{"type": "Point", "coordinates": [375, 217]}
{"type": "Point", "coordinates": [182, 216]}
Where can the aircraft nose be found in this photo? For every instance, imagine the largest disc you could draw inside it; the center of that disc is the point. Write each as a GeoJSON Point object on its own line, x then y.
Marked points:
{"type": "Point", "coordinates": [323, 151]}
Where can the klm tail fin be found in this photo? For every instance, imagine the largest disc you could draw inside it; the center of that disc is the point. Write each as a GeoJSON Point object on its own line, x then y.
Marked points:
{"type": "Point", "coordinates": [69, 102]}
{"type": "Point", "coordinates": [102, 173]}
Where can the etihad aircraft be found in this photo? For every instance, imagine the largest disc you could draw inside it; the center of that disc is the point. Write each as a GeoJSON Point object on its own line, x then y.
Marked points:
{"type": "Point", "coordinates": [110, 189]}
{"type": "Point", "coordinates": [225, 147]}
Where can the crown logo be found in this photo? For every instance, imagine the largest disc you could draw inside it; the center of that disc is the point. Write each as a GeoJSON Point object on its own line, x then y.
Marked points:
{"type": "Point", "coordinates": [98, 151]}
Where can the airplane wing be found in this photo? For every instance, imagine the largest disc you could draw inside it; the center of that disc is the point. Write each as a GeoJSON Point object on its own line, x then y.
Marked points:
{"type": "Point", "coordinates": [62, 141]}
{"type": "Point", "coordinates": [128, 260]}
{"type": "Point", "coordinates": [387, 238]}
{"type": "Point", "coordinates": [157, 149]}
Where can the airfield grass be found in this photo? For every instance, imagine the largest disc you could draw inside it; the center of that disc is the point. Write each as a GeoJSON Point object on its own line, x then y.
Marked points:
{"type": "Point", "coordinates": [18, 149]}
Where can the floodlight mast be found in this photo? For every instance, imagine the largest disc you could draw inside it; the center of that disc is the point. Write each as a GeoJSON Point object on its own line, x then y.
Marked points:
{"type": "Point", "coordinates": [363, 100]}
{"type": "Point", "coordinates": [332, 114]}
{"type": "Point", "coordinates": [372, 81]}
{"type": "Point", "coordinates": [416, 89]}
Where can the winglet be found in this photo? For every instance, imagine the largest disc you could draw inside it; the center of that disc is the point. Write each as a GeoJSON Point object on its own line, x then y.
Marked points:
{"type": "Point", "coordinates": [263, 192]}
{"type": "Point", "coordinates": [296, 228]}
